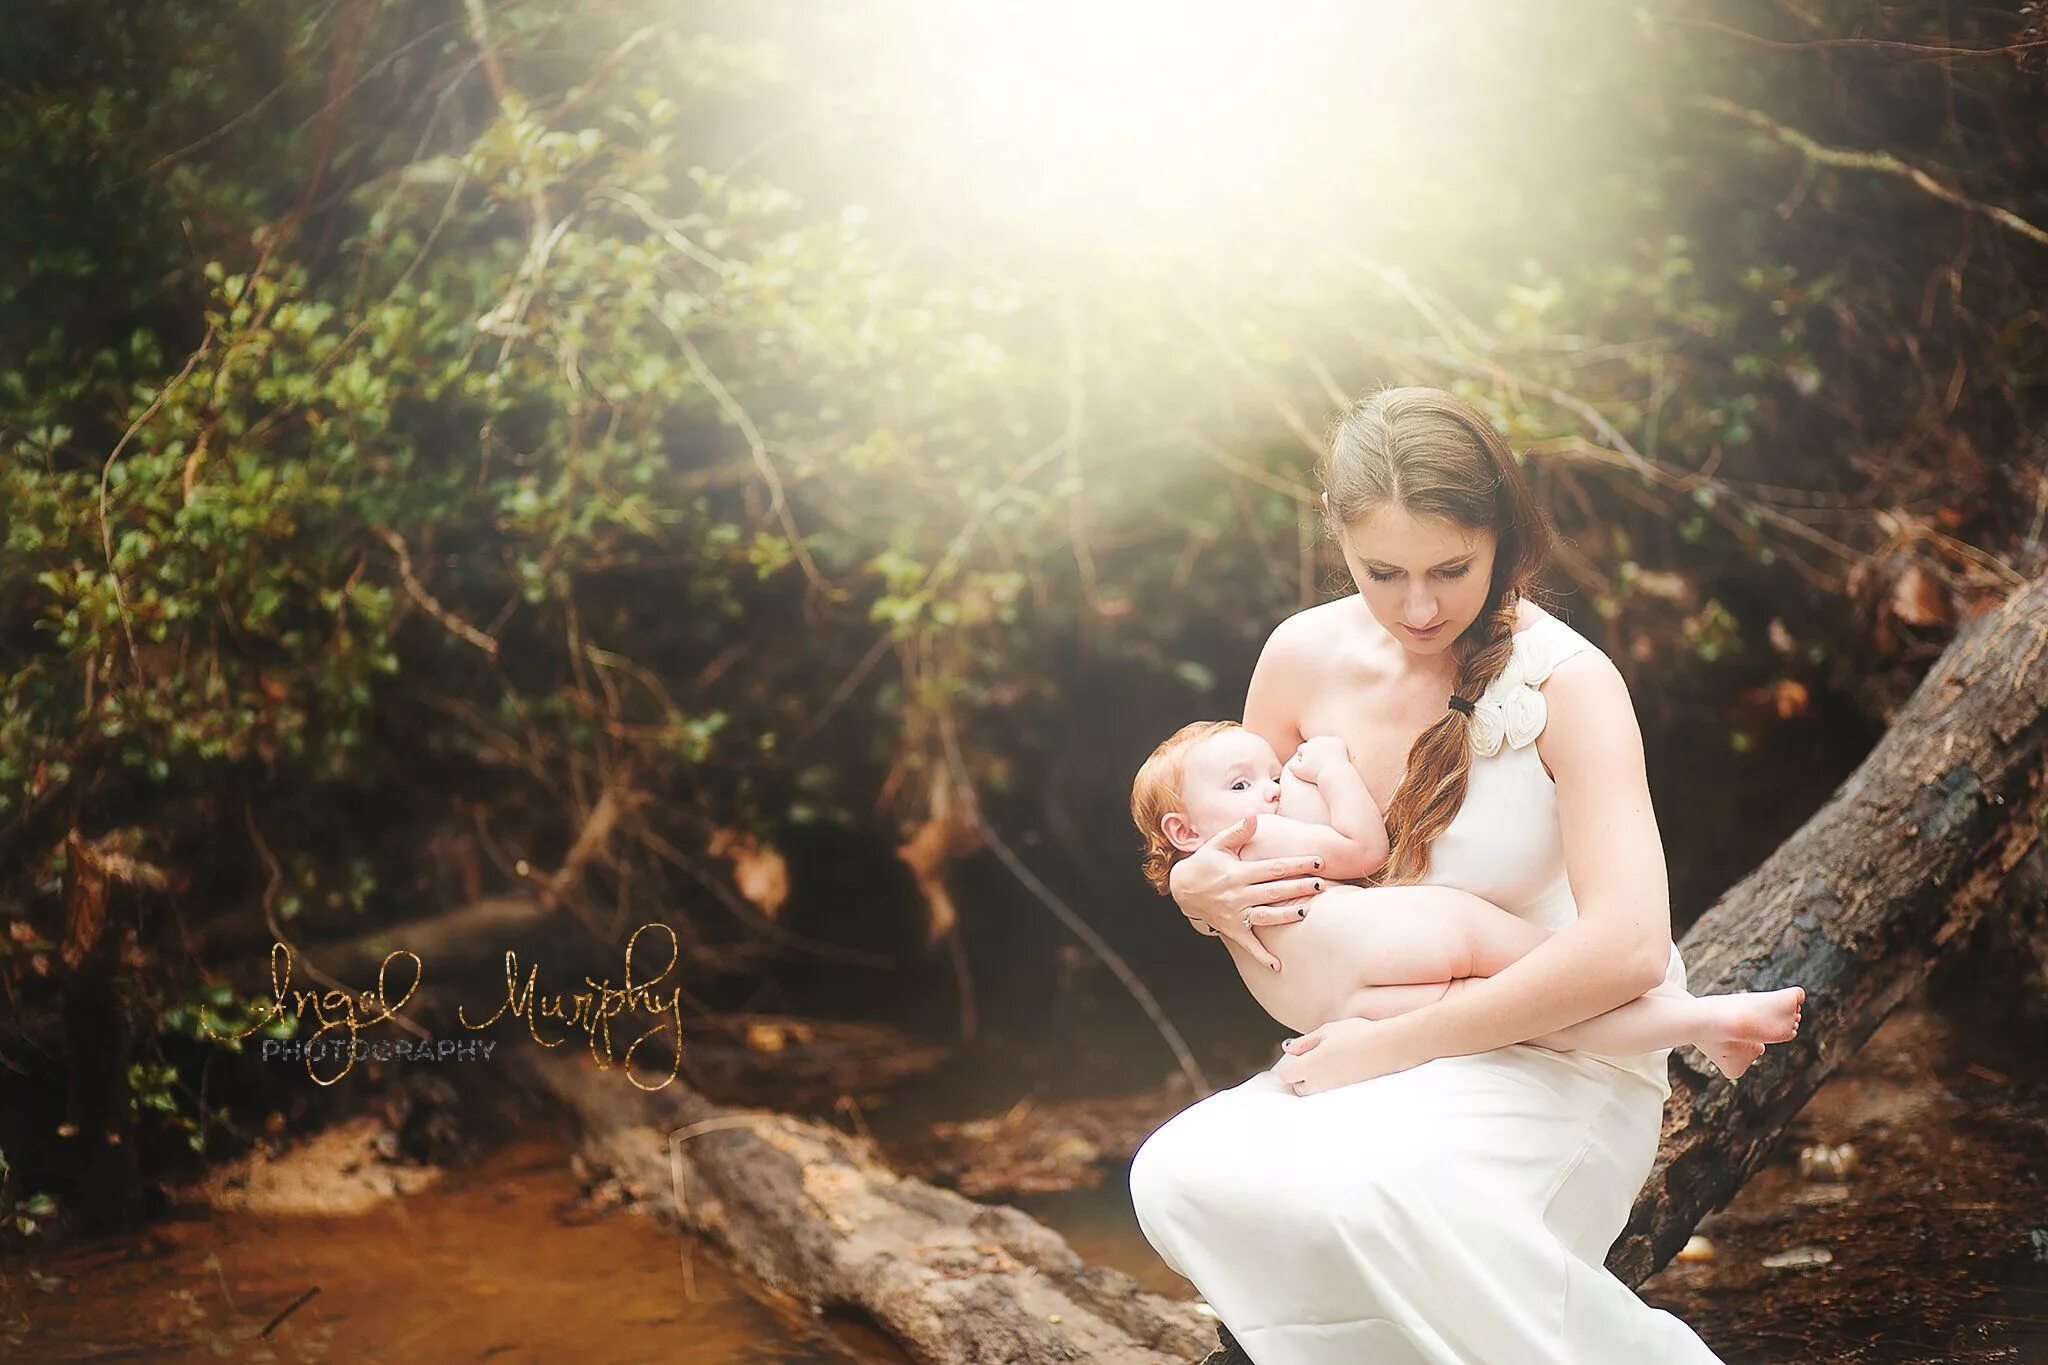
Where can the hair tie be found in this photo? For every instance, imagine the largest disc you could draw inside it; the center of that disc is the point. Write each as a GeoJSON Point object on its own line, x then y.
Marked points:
{"type": "Point", "coordinates": [1460, 705]}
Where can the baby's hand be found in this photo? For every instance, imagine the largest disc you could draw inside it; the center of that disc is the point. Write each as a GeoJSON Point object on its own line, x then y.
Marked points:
{"type": "Point", "coordinates": [1307, 763]}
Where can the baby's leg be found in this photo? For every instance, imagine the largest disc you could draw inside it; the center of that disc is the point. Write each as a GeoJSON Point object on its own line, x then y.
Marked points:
{"type": "Point", "coordinates": [1667, 1018]}
{"type": "Point", "coordinates": [1374, 952]}
{"type": "Point", "coordinates": [1384, 1002]}
{"type": "Point", "coordinates": [1382, 951]}
{"type": "Point", "coordinates": [1731, 1029]}
{"type": "Point", "coordinates": [1402, 935]}
{"type": "Point", "coordinates": [1431, 926]}
{"type": "Point", "coordinates": [1358, 937]}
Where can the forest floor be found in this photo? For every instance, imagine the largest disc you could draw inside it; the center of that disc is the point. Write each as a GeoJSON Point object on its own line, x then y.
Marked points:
{"type": "Point", "coordinates": [1932, 1246]}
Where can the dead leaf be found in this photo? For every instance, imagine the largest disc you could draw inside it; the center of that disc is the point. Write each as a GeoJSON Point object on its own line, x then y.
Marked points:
{"type": "Point", "coordinates": [1919, 600]}
{"type": "Point", "coordinates": [944, 836]}
{"type": "Point", "coordinates": [758, 870]}
{"type": "Point", "coordinates": [1670, 587]}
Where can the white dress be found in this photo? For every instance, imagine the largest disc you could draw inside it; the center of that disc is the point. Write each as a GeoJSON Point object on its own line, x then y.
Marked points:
{"type": "Point", "coordinates": [1460, 1211]}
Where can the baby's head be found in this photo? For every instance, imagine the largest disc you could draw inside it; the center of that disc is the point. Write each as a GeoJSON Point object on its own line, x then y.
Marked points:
{"type": "Point", "coordinates": [1205, 776]}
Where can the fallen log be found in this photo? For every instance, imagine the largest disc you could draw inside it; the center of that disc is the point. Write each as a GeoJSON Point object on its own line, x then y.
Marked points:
{"type": "Point", "coordinates": [2002, 975]}
{"type": "Point", "coordinates": [1899, 866]}
{"type": "Point", "coordinates": [1036, 1146]}
{"type": "Point", "coordinates": [811, 1214]}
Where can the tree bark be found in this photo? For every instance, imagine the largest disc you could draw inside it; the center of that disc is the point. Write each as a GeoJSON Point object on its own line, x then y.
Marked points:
{"type": "Point", "coordinates": [99, 1043]}
{"type": "Point", "coordinates": [1897, 868]}
{"type": "Point", "coordinates": [811, 1214]}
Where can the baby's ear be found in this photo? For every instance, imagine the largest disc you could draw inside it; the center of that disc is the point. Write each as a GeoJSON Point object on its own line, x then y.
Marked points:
{"type": "Point", "coordinates": [1179, 831]}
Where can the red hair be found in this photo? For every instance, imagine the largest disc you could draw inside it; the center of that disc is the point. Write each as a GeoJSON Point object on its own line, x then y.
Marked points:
{"type": "Point", "coordinates": [1155, 793]}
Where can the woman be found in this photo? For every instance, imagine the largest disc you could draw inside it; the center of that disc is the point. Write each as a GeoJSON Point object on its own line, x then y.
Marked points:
{"type": "Point", "coordinates": [1429, 1187]}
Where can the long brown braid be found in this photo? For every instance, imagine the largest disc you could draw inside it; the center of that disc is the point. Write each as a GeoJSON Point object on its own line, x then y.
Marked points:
{"type": "Point", "coordinates": [1435, 455]}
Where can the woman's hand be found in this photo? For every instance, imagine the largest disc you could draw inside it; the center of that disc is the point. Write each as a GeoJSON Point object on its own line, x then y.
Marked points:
{"type": "Point", "coordinates": [1347, 1050]}
{"type": "Point", "coordinates": [1224, 896]}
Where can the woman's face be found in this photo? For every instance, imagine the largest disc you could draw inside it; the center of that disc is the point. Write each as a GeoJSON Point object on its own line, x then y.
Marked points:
{"type": "Point", "coordinates": [1424, 579]}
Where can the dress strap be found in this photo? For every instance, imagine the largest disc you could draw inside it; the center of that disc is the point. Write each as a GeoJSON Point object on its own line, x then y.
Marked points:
{"type": "Point", "coordinates": [1545, 645]}
{"type": "Point", "coordinates": [1511, 712]}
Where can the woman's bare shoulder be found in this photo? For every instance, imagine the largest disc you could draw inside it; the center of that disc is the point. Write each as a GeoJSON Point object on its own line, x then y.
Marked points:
{"type": "Point", "coordinates": [1304, 652]}
{"type": "Point", "coordinates": [1311, 631]}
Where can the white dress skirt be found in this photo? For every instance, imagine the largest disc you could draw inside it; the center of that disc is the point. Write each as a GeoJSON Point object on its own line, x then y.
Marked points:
{"type": "Point", "coordinates": [1456, 1213]}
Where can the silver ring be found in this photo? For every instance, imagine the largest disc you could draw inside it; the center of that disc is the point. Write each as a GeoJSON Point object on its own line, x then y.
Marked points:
{"type": "Point", "coordinates": [1247, 919]}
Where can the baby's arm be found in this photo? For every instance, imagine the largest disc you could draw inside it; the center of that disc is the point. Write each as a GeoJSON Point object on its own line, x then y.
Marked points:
{"type": "Point", "coordinates": [1325, 762]}
{"type": "Point", "coordinates": [1285, 836]}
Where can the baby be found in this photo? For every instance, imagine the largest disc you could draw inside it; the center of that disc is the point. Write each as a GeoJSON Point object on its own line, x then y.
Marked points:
{"type": "Point", "coordinates": [1390, 949]}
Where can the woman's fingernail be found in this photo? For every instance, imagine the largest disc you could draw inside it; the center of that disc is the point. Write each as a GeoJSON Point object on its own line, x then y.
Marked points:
{"type": "Point", "coordinates": [1301, 913]}
{"type": "Point", "coordinates": [1319, 864]}
{"type": "Point", "coordinates": [1319, 883]}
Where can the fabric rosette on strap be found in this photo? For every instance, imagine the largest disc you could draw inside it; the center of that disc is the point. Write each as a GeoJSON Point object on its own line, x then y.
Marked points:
{"type": "Point", "coordinates": [1509, 712]}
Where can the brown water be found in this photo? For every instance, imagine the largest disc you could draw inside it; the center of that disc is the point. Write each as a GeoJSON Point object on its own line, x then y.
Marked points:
{"type": "Point", "coordinates": [477, 1267]}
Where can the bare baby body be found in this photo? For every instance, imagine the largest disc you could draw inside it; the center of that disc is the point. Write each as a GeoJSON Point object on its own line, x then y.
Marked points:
{"type": "Point", "coordinates": [1374, 952]}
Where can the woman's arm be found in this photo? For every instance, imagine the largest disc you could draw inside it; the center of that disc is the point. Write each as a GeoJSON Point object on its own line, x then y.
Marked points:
{"type": "Point", "coordinates": [1617, 948]}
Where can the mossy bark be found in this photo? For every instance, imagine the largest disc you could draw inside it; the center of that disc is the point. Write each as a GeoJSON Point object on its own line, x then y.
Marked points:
{"type": "Point", "coordinates": [1935, 831]}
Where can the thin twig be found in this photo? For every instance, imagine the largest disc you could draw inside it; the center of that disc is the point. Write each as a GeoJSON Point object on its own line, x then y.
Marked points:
{"type": "Point", "coordinates": [737, 415]}
{"type": "Point", "coordinates": [455, 625]}
{"type": "Point", "coordinates": [1874, 44]}
{"type": "Point", "coordinates": [1065, 915]}
{"type": "Point", "coordinates": [1883, 163]}
{"type": "Point", "coordinates": [106, 474]}
{"type": "Point", "coordinates": [277, 930]}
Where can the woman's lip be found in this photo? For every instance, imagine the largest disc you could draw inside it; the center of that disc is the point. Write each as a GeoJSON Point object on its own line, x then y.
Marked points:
{"type": "Point", "coordinates": [1425, 633]}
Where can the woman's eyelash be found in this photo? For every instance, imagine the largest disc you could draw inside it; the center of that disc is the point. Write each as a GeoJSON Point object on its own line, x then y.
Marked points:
{"type": "Point", "coordinates": [1376, 576]}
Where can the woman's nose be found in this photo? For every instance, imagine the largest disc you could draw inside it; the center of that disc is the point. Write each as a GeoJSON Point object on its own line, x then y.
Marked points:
{"type": "Point", "coordinates": [1421, 608]}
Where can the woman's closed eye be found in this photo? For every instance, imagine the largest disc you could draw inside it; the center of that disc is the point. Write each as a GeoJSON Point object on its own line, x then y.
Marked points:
{"type": "Point", "coordinates": [1378, 577]}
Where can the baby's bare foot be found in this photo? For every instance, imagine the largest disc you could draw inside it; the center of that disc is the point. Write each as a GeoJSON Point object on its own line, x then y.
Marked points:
{"type": "Point", "coordinates": [1731, 1058]}
{"type": "Point", "coordinates": [1760, 1016]}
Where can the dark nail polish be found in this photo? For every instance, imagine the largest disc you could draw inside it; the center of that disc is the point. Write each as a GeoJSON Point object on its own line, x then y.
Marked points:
{"type": "Point", "coordinates": [1301, 913]}
{"type": "Point", "coordinates": [1319, 883]}
{"type": "Point", "coordinates": [1319, 864]}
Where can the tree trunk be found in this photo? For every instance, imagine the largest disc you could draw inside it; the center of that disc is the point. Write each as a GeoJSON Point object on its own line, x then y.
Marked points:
{"type": "Point", "coordinates": [810, 1213]}
{"type": "Point", "coordinates": [1897, 868]}
{"type": "Point", "coordinates": [99, 1043]}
